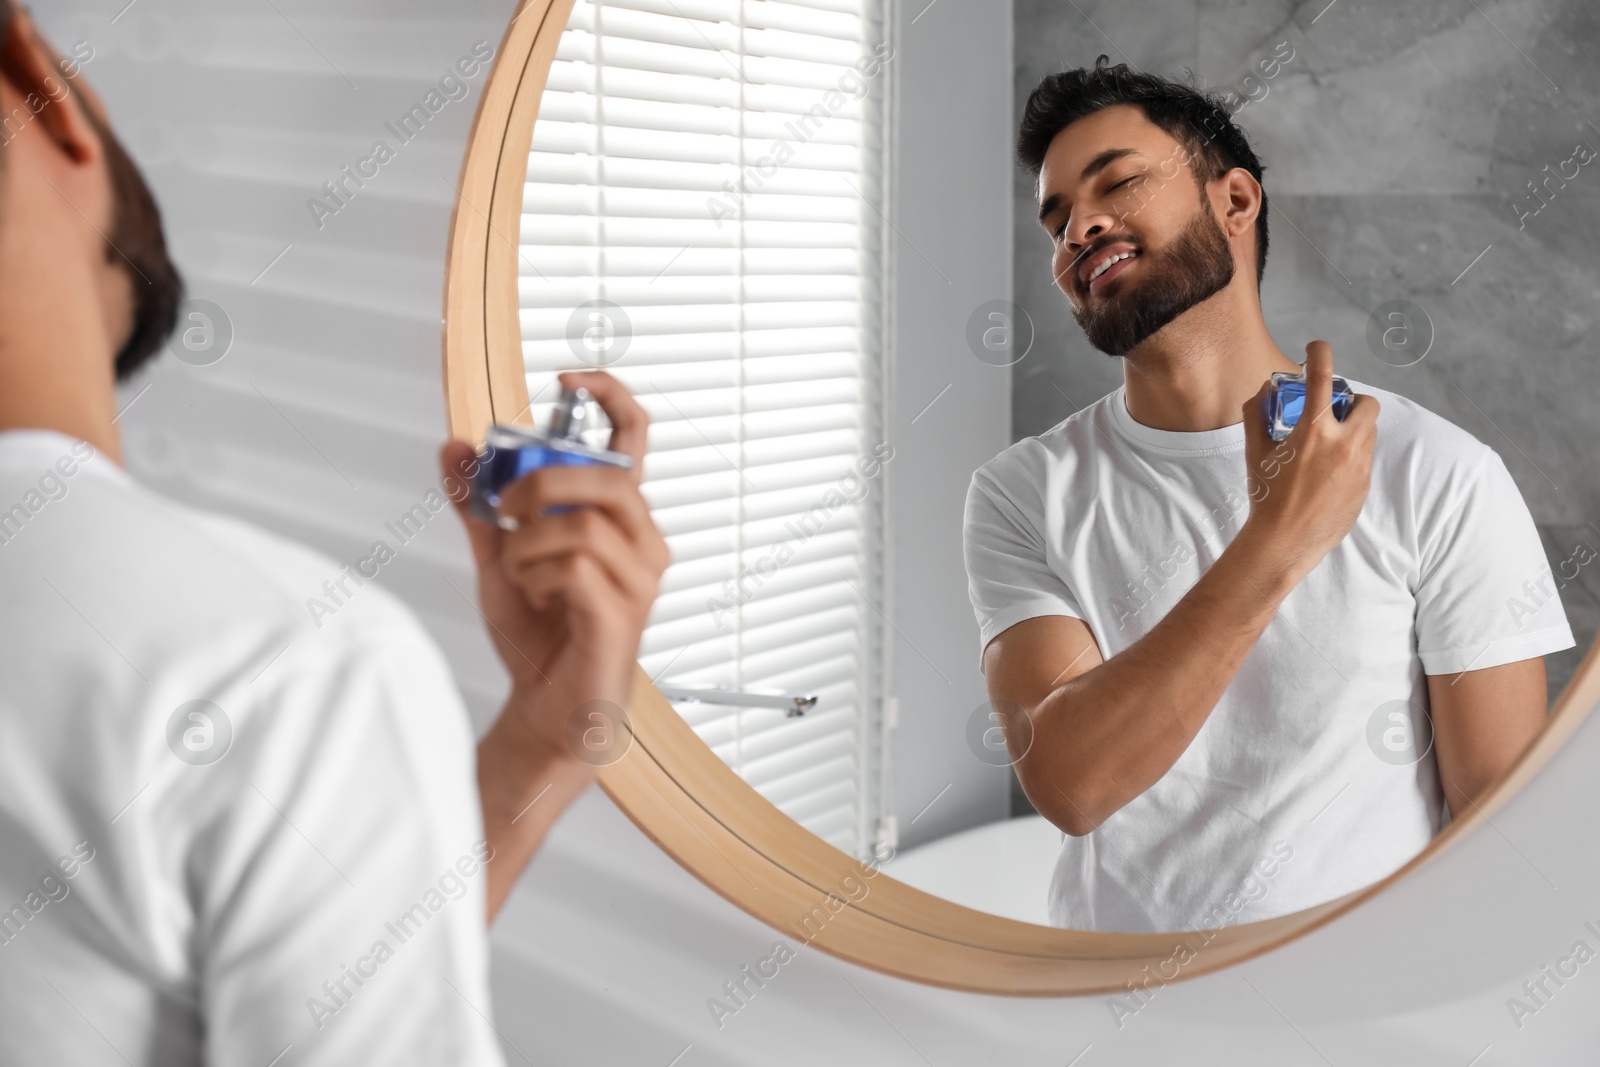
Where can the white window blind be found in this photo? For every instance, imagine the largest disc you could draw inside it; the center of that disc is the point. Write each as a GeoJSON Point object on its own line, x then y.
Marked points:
{"type": "Point", "coordinates": [712, 169]}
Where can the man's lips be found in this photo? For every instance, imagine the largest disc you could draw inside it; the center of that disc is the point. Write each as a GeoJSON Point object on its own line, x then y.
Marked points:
{"type": "Point", "coordinates": [1111, 272]}
{"type": "Point", "coordinates": [1099, 256]}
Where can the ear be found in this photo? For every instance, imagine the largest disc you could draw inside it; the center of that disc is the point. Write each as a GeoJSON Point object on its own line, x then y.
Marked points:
{"type": "Point", "coordinates": [33, 69]}
{"type": "Point", "coordinates": [1244, 200]}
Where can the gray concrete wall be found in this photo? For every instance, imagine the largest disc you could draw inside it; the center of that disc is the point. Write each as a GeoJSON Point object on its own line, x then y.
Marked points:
{"type": "Point", "coordinates": [1396, 144]}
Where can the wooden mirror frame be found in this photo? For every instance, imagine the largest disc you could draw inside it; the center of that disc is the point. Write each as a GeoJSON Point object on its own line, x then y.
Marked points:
{"type": "Point", "coordinates": [699, 811]}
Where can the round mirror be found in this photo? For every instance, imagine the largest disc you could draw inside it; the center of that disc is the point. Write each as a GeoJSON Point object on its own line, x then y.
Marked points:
{"type": "Point", "coordinates": [701, 203]}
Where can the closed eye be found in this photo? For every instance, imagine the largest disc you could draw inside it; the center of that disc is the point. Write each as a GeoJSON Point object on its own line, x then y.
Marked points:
{"type": "Point", "coordinates": [1062, 228]}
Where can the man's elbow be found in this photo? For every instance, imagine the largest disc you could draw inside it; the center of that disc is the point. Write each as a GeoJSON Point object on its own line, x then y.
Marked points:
{"type": "Point", "coordinates": [1076, 824]}
{"type": "Point", "coordinates": [1070, 810]}
{"type": "Point", "coordinates": [1074, 828]}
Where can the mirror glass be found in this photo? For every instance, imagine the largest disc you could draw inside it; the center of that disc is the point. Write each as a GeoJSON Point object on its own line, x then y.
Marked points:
{"type": "Point", "coordinates": [708, 215]}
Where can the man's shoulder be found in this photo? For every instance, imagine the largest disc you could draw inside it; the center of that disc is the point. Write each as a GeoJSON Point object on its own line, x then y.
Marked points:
{"type": "Point", "coordinates": [215, 580]}
{"type": "Point", "coordinates": [1417, 438]}
{"type": "Point", "coordinates": [311, 584]}
{"type": "Point", "coordinates": [1032, 460]}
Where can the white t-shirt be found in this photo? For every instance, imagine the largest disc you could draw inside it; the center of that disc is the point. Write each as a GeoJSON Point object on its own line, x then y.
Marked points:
{"type": "Point", "coordinates": [1304, 783]}
{"type": "Point", "coordinates": [228, 832]}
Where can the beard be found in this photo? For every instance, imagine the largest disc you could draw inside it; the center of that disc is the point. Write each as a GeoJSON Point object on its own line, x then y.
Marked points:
{"type": "Point", "coordinates": [138, 243]}
{"type": "Point", "coordinates": [1193, 267]}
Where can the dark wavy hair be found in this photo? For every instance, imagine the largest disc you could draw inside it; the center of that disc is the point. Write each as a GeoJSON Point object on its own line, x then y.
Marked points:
{"type": "Point", "coordinates": [1198, 118]}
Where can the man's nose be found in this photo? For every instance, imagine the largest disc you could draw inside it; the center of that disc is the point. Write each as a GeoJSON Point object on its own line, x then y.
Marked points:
{"type": "Point", "coordinates": [1092, 230]}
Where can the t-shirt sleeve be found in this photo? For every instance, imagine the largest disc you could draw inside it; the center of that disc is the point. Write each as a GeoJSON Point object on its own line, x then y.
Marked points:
{"type": "Point", "coordinates": [1008, 576]}
{"type": "Point", "coordinates": [340, 884]}
{"type": "Point", "coordinates": [1486, 595]}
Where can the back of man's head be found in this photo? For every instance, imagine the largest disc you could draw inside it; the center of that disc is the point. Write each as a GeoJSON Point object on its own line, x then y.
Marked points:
{"type": "Point", "coordinates": [134, 243]}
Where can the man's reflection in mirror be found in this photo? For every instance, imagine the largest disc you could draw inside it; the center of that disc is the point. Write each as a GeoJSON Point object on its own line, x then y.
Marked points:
{"type": "Point", "coordinates": [1259, 674]}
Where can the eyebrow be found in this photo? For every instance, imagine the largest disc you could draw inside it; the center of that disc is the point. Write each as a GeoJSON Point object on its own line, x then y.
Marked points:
{"type": "Point", "coordinates": [1099, 163]}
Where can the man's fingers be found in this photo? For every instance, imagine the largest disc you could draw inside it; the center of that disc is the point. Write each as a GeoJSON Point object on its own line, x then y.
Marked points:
{"type": "Point", "coordinates": [584, 585]}
{"type": "Point", "coordinates": [1363, 410]}
{"type": "Point", "coordinates": [459, 462]}
{"type": "Point", "coordinates": [608, 488]}
{"type": "Point", "coordinates": [550, 542]}
{"type": "Point", "coordinates": [1319, 379]}
{"type": "Point", "coordinates": [630, 423]}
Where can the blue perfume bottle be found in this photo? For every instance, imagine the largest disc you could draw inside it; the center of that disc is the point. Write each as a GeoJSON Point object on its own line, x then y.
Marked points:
{"type": "Point", "coordinates": [1286, 400]}
{"type": "Point", "coordinates": [509, 452]}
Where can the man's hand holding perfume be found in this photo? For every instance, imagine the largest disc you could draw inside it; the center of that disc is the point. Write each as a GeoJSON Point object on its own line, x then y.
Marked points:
{"type": "Point", "coordinates": [1307, 490]}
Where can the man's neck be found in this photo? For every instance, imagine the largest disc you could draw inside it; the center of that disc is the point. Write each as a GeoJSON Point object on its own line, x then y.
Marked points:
{"type": "Point", "coordinates": [1197, 372]}
{"type": "Point", "coordinates": [55, 371]}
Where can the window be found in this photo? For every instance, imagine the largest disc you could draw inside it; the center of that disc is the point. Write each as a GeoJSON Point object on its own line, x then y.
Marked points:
{"type": "Point", "coordinates": [702, 219]}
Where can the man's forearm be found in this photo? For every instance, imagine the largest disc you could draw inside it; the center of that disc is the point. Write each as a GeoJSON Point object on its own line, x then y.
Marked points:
{"type": "Point", "coordinates": [1104, 737]}
{"type": "Point", "coordinates": [524, 784]}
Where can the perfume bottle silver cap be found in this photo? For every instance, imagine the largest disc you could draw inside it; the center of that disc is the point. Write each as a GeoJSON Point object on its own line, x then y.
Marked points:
{"type": "Point", "coordinates": [571, 415]}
